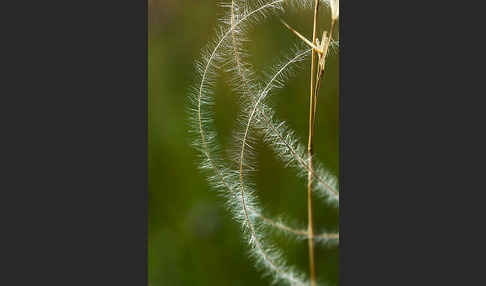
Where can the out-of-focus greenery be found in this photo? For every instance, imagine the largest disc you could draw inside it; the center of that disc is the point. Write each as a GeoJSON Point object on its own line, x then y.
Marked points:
{"type": "Point", "coordinates": [192, 238]}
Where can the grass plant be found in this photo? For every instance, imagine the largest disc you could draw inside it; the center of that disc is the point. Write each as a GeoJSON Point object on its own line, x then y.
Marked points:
{"type": "Point", "coordinates": [257, 118]}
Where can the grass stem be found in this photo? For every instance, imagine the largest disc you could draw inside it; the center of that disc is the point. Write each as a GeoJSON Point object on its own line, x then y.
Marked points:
{"type": "Point", "coordinates": [310, 230]}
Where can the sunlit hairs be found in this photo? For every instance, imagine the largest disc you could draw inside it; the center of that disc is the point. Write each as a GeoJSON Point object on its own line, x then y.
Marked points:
{"type": "Point", "coordinates": [257, 119]}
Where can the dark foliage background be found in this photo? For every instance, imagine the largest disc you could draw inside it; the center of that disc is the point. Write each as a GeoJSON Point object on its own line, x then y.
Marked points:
{"type": "Point", "coordinates": [192, 238]}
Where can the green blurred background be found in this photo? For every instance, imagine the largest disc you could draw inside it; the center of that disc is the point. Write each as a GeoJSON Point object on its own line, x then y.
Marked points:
{"type": "Point", "coordinates": [192, 238]}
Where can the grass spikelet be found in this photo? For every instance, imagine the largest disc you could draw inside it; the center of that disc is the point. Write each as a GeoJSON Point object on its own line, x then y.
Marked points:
{"type": "Point", "coordinates": [226, 53]}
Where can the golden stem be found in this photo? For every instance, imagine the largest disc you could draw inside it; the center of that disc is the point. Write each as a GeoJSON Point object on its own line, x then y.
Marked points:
{"type": "Point", "coordinates": [309, 151]}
